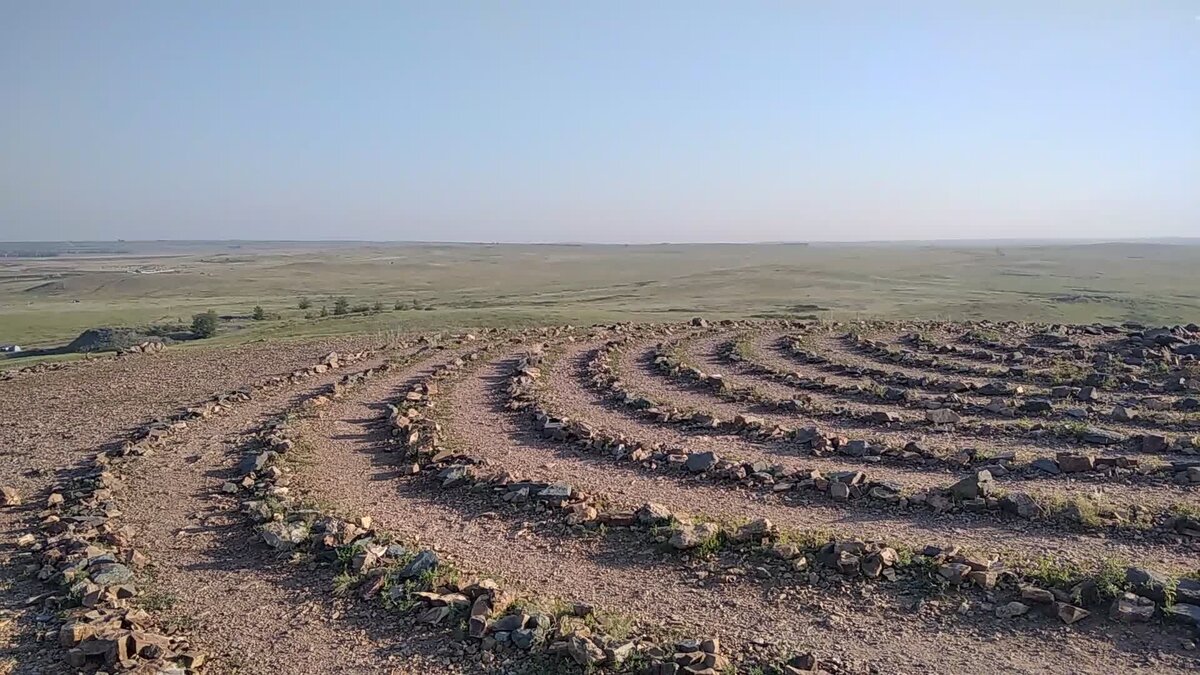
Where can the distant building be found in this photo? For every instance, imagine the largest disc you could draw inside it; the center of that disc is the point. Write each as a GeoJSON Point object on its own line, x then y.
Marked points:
{"type": "Point", "coordinates": [10, 348]}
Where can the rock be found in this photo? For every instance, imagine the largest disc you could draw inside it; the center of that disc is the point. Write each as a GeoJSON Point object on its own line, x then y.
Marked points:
{"type": "Point", "coordinates": [1072, 463]}
{"type": "Point", "coordinates": [1131, 608]}
{"type": "Point", "coordinates": [978, 484]}
{"type": "Point", "coordinates": [856, 448]}
{"type": "Point", "coordinates": [653, 514]}
{"type": "Point", "coordinates": [283, 536]}
{"type": "Point", "coordinates": [510, 622]}
{"type": "Point", "coordinates": [434, 615]}
{"type": "Point", "coordinates": [1098, 436]}
{"type": "Point", "coordinates": [839, 491]}
{"type": "Point", "coordinates": [555, 492]}
{"type": "Point", "coordinates": [955, 573]}
{"type": "Point", "coordinates": [616, 656]}
{"type": "Point", "coordinates": [1151, 584]}
{"type": "Point", "coordinates": [883, 417]}
{"type": "Point", "coordinates": [1184, 613]}
{"type": "Point", "coordinates": [110, 574]}
{"type": "Point", "coordinates": [690, 536]}
{"type": "Point", "coordinates": [1011, 610]}
{"type": "Point", "coordinates": [942, 416]}
{"type": "Point", "coordinates": [1047, 465]}
{"type": "Point", "coordinates": [523, 638]}
{"type": "Point", "coordinates": [699, 462]}
{"type": "Point", "coordinates": [9, 496]}
{"type": "Point", "coordinates": [1036, 405]}
{"type": "Point", "coordinates": [1038, 596]}
{"type": "Point", "coordinates": [1121, 414]}
{"type": "Point", "coordinates": [424, 561]}
{"type": "Point", "coordinates": [584, 651]}
{"type": "Point", "coordinates": [755, 530]}
{"type": "Point", "coordinates": [1069, 613]}
{"type": "Point", "coordinates": [1022, 504]}
{"type": "Point", "coordinates": [1154, 443]}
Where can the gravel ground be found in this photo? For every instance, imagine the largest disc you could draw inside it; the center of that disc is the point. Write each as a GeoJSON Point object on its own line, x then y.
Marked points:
{"type": "Point", "coordinates": [56, 420]}
{"type": "Point", "coordinates": [621, 572]}
{"type": "Point", "coordinates": [254, 612]}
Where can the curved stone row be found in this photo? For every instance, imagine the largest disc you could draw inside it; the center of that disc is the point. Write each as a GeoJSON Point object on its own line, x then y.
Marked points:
{"type": "Point", "coordinates": [1096, 375]}
{"type": "Point", "coordinates": [1180, 472]}
{"type": "Point", "coordinates": [977, 492]}
{"type": "Point", "coordinates": [401, 575]}
{"type": "Point", "coordinates": [1001, 401]}
{"type": "Point", "coordinates": [870, 560]}
{"type": "Point", "coordinates": [82, 547]}
{"type": "Point", "coordinates": [1151, 350]}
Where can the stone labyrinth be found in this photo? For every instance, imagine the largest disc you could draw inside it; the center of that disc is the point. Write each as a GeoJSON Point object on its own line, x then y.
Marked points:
{"type": "Point", "coordinates": [704, 498]}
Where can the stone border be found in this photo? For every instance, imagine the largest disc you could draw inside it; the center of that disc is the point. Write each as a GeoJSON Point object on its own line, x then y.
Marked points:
{"type": "Point", "coordinates": [398, 577]}
{"type": "Point", "coordinates": [876, 560]}
{"type": "Point", "coordinates": [1185, 472]}
{"type": "Point", "coordinates": [1000, 393]}
{"type": "Point", "coordinates": [976, 492]}
{"type": "Point", "coordinates": [82, 548]}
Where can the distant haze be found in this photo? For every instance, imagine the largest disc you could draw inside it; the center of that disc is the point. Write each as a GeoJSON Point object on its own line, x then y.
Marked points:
{"type": "Point", "coordinates": [599, 121]}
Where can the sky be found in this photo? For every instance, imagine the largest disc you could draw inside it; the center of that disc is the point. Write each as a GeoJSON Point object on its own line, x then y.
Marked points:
{"type": "Point", "coordinates": [615, 121]}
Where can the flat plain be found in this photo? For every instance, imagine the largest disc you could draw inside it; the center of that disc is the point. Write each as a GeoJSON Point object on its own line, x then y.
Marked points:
{"type": "Point", "coordinates": [46, 301]}
{"type": "Point", "coordinates": [668, 459]}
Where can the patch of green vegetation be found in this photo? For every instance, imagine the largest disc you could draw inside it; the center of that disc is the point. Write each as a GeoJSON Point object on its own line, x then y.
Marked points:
{"type": "Point", "coordinates": [343, 583]}
{"type": "Point", "coordinates": [1052, 573]}
{"type": "Point", "coordinates": [156, 600]}
{"type": "Point", "coordinates": [1110, 579]}
{"type": "Point", "coordinates": [1066, 372]}
{"type": "Point", "coordinates": [204, 324]}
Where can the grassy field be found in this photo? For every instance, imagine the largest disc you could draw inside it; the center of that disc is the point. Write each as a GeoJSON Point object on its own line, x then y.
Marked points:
{"type": "Point", "coordinates": [46, 301]}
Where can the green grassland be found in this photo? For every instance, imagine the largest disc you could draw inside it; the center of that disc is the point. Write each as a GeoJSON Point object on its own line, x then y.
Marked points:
{"type": "Point", "coordinates": [46, 301]}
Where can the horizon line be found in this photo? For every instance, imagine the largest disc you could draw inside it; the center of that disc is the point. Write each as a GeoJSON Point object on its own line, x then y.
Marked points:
{"type": "Point", "coordinates": [781, 242]}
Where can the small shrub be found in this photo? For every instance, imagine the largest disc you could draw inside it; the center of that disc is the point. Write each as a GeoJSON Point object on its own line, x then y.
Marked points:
{"type": "Point", "coordinates": [377, 307]}
{"type": "Point", "coordinates": [259, 313]}
{"type": "Point", "coordinates": [324, 311]}
{"type": "Point", "coordinates": [204, 325]}
{"type": "Point", "coordinates": [341, 306]}
{"type": "Point", "coordinates": [304, 303]}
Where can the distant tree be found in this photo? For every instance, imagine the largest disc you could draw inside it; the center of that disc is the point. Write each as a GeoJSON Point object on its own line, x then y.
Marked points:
{"type": "Point", "coordinates": [399, 306]}
{"type": "Point", "coordinates": [341, 306]}
{"type": "Point", "coordinates": [204, 325]}
{"type": "Point", "coordinates": [259, 313]}
{"type": "Point", "coordinates": [304, 303]}
{"type": "Point", "coordinates": [324, 310]}
{"type": "Point", "coordinates": [377, 307]}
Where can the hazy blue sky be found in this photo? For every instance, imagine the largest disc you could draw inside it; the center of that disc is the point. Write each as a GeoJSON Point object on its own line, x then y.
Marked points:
{"type": "Point", "coordinates": [599, 121]}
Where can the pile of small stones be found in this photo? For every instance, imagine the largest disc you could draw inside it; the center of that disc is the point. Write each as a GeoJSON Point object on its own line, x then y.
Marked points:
{"type": "Point", "coordinates": [147, 347]}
